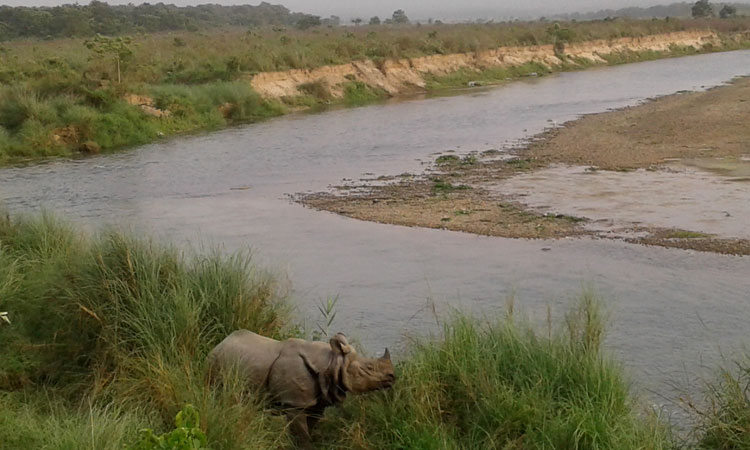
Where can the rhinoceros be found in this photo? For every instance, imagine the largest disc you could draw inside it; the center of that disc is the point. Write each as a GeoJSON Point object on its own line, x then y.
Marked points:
{"type": "Point", "coordinates": [301, 376]}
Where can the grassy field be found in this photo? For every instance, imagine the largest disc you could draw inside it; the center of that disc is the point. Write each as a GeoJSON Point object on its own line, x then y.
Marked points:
{"type": "Point", "coordinates": [109, 333]}
{"type": "Point", "coordinates": [68, 96]}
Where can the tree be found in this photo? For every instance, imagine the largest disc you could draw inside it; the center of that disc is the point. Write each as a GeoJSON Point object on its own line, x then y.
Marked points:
{"type": "Point", "coordinates": [374, 20]}
{"type": "Point", "coordinates": [308, 21]}
{"type": "Point", "coordinates": [399, 17]}
{"type": "Point", "coordinates": [727, 11]}
{"type": "Point", "coordinates": [356, 21]}
{"type": "Point", "coordinates": [119, 48]}
{"type": "Point", "coordinates": [332, 21]}
{"type": "Point", "coordinates": [702, 8]}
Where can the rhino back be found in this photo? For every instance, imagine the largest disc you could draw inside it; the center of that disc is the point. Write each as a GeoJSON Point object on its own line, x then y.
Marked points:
{"type": "Point", "coordinates": [251, 354]}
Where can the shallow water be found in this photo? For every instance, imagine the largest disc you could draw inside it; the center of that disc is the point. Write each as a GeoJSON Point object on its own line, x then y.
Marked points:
{"type": "Point", "coordinates": [710, 201]}
{"type": "Point", "coordinates": [672, 310]}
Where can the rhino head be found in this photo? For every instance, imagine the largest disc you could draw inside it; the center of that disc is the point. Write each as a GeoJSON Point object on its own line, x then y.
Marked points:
{"type": "Point", "coordinates": [360, 374]}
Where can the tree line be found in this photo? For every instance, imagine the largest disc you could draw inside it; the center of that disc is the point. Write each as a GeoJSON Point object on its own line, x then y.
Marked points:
{"type": "Point", "coordinates": [98, 17]}
{"type": "Point", "coordinates": [703, 8]}
{"type": "Point", "coordinates": [681, 9]}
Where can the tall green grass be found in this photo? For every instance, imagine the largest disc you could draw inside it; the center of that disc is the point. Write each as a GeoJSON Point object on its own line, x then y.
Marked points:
{"type": "Point", "coordinates": [34, 420]}
{"type": "Point", "coordinates": [124, 325]}
{"type": "Point", "coordinates": [33, 124]}
{"type": "Point", "coordinates": [109, 335]}
{"type": "Point", "coordinates": [723, 417]}
{"type": "Point", "coordinates": [502, 385]}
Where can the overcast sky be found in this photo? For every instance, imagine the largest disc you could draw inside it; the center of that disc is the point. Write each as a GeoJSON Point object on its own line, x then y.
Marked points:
{"type": "Point", "coordinates": [418, 9]}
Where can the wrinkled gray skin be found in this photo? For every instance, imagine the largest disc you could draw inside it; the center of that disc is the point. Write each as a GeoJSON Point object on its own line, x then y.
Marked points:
{"type": "Point", "coordinates": [303, 377]}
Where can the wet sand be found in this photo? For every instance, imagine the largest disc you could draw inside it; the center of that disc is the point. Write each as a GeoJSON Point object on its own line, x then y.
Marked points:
{"type": "Point", "coordinates": [676, 166]}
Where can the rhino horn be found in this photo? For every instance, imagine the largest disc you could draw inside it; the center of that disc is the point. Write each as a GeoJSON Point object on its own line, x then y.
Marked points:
{"type": "Point", "coordinates": [387, 354]}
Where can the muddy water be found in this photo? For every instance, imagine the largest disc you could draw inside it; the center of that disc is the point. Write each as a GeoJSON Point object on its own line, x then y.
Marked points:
{"type": "Point", "coordinates": [672, 310]}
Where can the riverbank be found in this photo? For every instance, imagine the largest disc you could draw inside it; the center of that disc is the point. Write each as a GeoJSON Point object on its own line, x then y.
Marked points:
{"type": "Point", "coordinates": [583, 179]}
{"type": "Point", "coordinates": [62, 98]}
{"type": "Point", "coordinates": [127, 324]}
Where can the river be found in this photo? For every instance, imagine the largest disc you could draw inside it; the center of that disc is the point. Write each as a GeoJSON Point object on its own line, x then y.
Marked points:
{"type": "Point", "coordinates": [672, 311]}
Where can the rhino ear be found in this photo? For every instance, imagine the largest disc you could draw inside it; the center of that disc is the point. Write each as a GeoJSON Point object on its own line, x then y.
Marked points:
{"type": "Point", "coordinates": [341, 345]}
{"type": "Point", "coordinates": [387, 354]}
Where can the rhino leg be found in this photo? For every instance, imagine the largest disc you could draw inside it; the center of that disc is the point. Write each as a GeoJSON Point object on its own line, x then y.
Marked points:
{"type": "Point", "coordinates": [299, 429]}
{"type": "Point", "coordinates": [313, 417]}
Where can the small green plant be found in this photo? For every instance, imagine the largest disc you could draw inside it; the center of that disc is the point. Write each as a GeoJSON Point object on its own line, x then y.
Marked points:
{"type": "Point", "coordinates": [186, 436]}
{"type": "Point", "coordinates": [327, 310]}
{"type": "Point", "coordinates": [446, 159]}
{"type": "Point", "coordinates": [358, 93]}
{"type": "Point", "coordinates": [119, 48]}
{"type": "Point", "coordinates": [684, 234]}
{"type": "Point", "coordinates": [520, 164]}
{"type": "Point", "coordinates": [442, 186]}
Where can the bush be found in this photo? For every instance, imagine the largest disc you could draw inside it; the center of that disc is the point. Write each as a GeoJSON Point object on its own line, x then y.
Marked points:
{"type": "Point", "coordinates": [187, 435]}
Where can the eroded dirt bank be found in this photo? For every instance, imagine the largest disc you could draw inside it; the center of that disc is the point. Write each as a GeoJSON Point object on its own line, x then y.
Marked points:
{"type": "Point", "coordinates": [671, 172]}
{"type": "Point", "coordinates": [403, 76]}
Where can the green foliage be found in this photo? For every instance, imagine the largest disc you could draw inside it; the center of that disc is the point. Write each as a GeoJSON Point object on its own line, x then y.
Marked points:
{"type": "Point", "coordinates": [399, 17]}
{"type": "Point", "coordinates": [212, 105]}
{"type": "Point", "coordinates": [40, 420]}
{"type": "Point", "coordinates": [724, 418]}
{"type": "Point", "coordinates": [98, 301]}
{"type": "Point", "coordinates": [462, 77]}
{"type": "Point", "coordinates": [447, 159]}
{"type": "Point", "coordinates": [100, 18]}
{"type": "Point", "coordinates": [308, 22]}
{"type": "Point", "coordinates": [502, 385]}
{"type": "Point", "coordinates": [560, 37]}
{"type": "Point", "coordinates": [358, 93]}
{"type": "Point", "coordinates": [702, 8]}
{"type": "Point", "coordinates": [728, 11]}
{"type": "Point", "coordinates": [445, 187]}
{"type": "Point", "coordinates": [327, 311]}
{"type": "Point", "coordinates": [125, 325]}
{"type": "Point", "coordinates": [55, 99]}
{"type": "Point", "coordinates": [119, 48]}
{"type": "Point", "coordinates": [186, 436]}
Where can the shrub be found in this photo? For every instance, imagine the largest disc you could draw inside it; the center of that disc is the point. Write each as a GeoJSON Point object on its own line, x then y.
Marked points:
{"type": "Point", "coordinates": [186, 436]}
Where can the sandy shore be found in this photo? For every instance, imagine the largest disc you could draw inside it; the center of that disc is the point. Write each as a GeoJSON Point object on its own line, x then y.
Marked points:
{"type": "Point", "coordinates": [706, 132]}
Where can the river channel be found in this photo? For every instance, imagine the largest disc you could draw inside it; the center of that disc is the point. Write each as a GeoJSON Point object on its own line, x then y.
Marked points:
{"type": "Point", "coordinates": [672, 311]}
